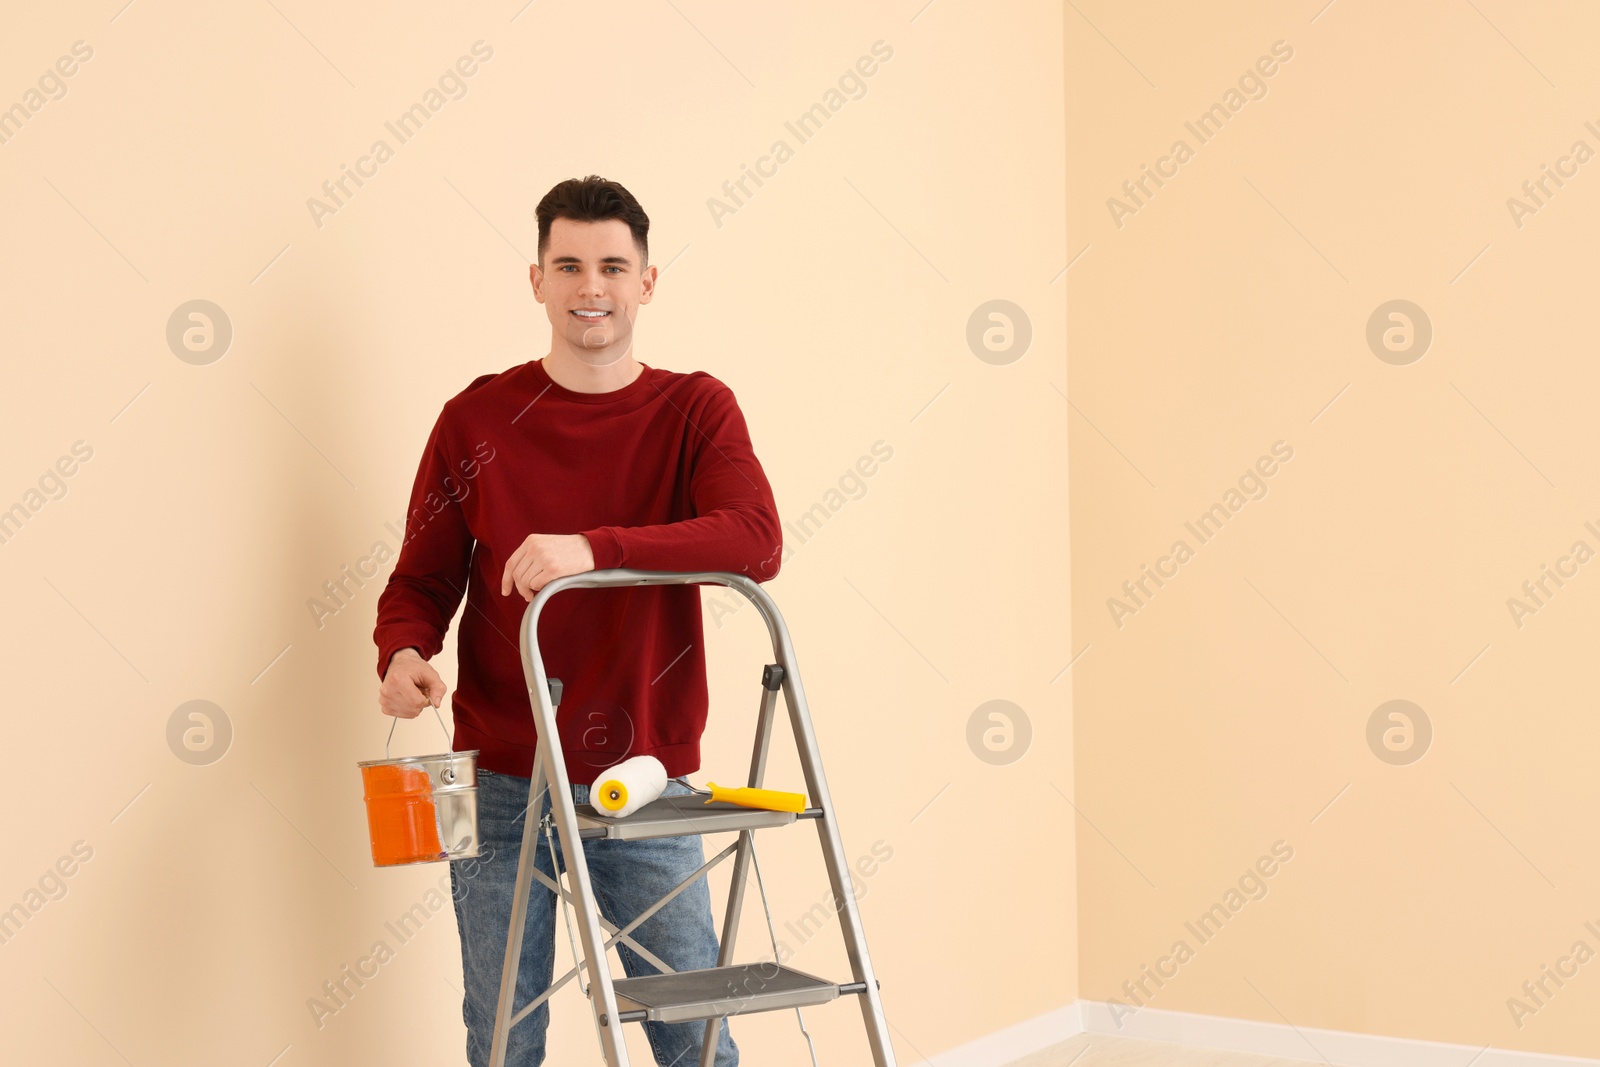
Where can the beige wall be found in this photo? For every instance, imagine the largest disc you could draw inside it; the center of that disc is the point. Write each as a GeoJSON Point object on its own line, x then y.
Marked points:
{"type": "Point", "coordinates": [177, 566]}
{"type": "Point", "coordinates": [1232, 710]}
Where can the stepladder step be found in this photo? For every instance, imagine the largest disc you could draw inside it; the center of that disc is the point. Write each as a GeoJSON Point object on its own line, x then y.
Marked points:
{"type": "Point", "coordinates": [676, 816]}
{"type": "Point", "coordinates": [715, 992]}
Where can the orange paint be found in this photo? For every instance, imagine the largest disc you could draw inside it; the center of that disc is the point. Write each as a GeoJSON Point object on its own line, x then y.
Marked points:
{"type": "Point", "coordinates": [400, 815]}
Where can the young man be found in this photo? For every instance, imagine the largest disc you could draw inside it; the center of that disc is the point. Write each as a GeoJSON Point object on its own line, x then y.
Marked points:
{"type": "Point", "coordinates": [584, 459]}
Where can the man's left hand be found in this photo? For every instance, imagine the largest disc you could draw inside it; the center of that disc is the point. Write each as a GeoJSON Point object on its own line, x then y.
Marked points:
{"type": "Point", "coordinates": [543, 558]}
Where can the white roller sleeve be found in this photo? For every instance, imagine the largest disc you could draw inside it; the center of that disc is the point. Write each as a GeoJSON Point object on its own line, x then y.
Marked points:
{"type": "Point", "coordinates": [630, 785]}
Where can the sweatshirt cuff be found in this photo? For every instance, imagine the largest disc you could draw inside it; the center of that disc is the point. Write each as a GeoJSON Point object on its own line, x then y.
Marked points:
{"type": "Point", "coordinates": [606, 546]}
{"type": "Point", "coordinates": [424, 640]}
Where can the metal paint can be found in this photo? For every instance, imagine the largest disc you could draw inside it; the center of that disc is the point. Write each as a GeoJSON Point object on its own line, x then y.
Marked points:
{"type": "Point", "coordinates": [421, 808]}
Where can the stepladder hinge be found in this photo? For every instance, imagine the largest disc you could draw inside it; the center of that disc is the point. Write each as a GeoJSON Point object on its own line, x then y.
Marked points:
{"type": "Point", "coordinates": [771, 677]}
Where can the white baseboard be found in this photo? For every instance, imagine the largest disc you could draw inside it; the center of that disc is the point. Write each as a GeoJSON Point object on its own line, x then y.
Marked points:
{"type": "Point", "coordinates": [1339, 1047]}
{"type": "Point", "coordinates": [1014, 1042]}
{"type": "Point", "coordinates": [1306, 1043]}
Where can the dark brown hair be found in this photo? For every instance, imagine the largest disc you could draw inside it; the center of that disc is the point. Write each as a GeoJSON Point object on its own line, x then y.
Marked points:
{"type": "Point", "coordinates": [593, 199]}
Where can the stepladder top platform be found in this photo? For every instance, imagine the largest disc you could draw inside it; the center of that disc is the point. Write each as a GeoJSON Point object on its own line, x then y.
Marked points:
{"type": "Point", "coordinates": [676, 816]}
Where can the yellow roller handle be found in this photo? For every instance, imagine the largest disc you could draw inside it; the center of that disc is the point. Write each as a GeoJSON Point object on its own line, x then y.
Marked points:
{"type": "Point", "coordinates": [770, 799]}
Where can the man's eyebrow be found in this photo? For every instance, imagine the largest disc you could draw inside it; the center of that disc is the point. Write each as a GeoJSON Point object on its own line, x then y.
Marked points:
{"type": "Point", "coordinates": [624, 260]}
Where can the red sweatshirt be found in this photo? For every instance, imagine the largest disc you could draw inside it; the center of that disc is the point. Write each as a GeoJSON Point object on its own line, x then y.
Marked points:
{"type": "Point", "coordinates": [658, 475]}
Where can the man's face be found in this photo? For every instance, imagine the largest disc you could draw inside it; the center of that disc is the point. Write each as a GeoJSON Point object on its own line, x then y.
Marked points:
{"type": "Point", "coordinates": [591, 284]}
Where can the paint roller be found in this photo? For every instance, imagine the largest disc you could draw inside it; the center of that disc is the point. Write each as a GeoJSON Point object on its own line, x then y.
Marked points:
{"type": "Point", "coordinates": [629, 786]}
{"type": "Point", "coordinates": [625, 788]}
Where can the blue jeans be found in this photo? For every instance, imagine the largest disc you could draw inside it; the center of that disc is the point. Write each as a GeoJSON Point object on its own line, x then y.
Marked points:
{"type": "Point", "coordinates": [627, 877]}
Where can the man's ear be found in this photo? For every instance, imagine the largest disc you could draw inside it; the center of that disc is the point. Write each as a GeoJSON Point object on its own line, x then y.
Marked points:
{"type": "Point", "coordinates": [536, 277]}
{"type": "Point", "coordinates": [647, 284]}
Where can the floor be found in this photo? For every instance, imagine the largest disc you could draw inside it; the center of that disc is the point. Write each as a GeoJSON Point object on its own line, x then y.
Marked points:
{"type": "Point", "coordinates": [1099, 1050]}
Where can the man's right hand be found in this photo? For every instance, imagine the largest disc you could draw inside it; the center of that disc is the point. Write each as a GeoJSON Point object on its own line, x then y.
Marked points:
{"type": "Point", "coordinates": [409, 685]}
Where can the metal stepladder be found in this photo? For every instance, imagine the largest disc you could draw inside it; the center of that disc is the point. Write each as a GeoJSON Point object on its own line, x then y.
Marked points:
{"type": "Point", "coordinates": [713, 993]}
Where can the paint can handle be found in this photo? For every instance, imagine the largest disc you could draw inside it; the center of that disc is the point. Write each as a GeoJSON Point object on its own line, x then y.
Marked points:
{"type": "Point", "coordinates": [395, 721]}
